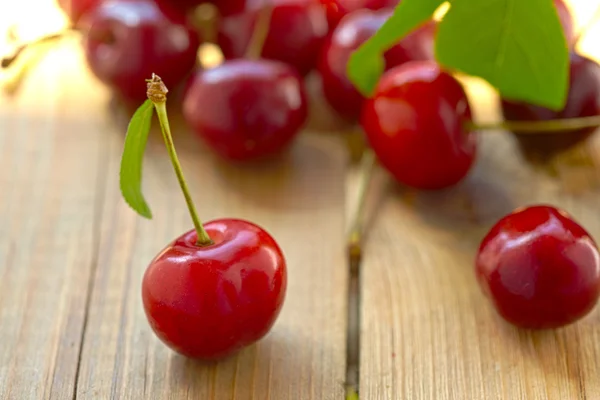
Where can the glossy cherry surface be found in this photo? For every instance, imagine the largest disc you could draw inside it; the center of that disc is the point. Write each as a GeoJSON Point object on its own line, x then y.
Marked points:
{"type": "Point", "coordinates": [353, 30]}
{"type": "Point", "coordinates": [415, 123]}
{"type": "Point", "coordinates": [583, 100]}
{"type": "Point", "coordinates": [246, 109]}
{"type": "Point", "coordinates": [128, 40]}
{"type": "Point", "coordinates": [337, 9]}
{"type": "Point", "coordinates": [208, 302]}
{"type": "Point", "coordinates": [297, 31]}
{"type": "Point", "coordinates": [540, 268]}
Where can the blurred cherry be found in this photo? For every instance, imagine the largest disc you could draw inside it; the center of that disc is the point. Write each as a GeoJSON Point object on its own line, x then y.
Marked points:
{"type": "Point", "coordinates": [129, 40]}
{"type": "Point", "coordinates": [337, 9]}
{"type": "Point", "coordinates": [353, 30]}
{"type": "Point", "coordinates": [297, 31]}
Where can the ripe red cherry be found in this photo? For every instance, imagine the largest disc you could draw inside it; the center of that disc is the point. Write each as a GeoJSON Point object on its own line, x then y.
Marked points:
{"type": "Point", "coordinates": [337, 9]}
{"type": "Point", "coordinates": [296, 32]}
{"type": "Point", "coordinates": [566, 20]}
{"type": "Point", "coordinates": [207, 302]}
{"type": "Point", "coordinates": [76, 9]}
{"type": "Point", "coordinates": [353, 30]}
{"type": "Point", "coordinates": [583, 101]}
{"type": "Point", "coordinates": [415, 123]}
{"type": "Point", "coordinates": [246, 109]}
{"type": "Point", "coordinates": [540, 268]}
{"type": "Point", "coordinates": [128, 40]}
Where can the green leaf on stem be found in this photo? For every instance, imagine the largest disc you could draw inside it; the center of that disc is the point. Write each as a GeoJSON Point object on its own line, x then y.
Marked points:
{"type": "Point", "coordinates": [518, 46]}
{"type": "Point", "coordinates": [133, 157]}
{"type": "Point", "coordinates": [367, 64]}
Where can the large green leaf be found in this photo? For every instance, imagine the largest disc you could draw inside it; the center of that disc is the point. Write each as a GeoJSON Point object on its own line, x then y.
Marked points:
{"type": "Point", "coordinates": [132, 160]}
{"type": "Point", "coordinates": [367, 63]}
{"type": "Point", "coordinates": [518, 46]}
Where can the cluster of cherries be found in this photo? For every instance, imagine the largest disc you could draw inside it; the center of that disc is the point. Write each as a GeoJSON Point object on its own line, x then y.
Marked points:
{"type": "Point", "coordinates": [540, 268]}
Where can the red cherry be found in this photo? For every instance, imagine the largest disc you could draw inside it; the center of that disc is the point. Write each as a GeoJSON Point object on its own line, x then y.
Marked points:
{"type": "Point", "coordinates": [207, 302]}
{"type": "Point", "coordinates": [337, 9]}
{"type": "Point", "coordinates": [415, 123]}
{"type": "Point", "coordinates": [540, 268]}
{"type": "Point", "coordinates": [566, 20]}
{"type": "Point", "coordinates": [583, 101]}
{"type": "Point", "coordinates": [76, 9]}
{"type": "Point", "coordinates": [246, 109]}
{"type": "Point", "coordinates": [296, 32]}
{"type": "Point", "coordinates": [128, 40]}
{"type": "Point", "coordinates": [353, 30]}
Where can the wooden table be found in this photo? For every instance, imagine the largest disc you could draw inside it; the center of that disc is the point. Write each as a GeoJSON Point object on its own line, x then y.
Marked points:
{"type": "Point", "coordinates": [72, 255]}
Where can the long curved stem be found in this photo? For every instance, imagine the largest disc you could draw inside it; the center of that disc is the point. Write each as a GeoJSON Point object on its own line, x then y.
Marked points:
{"type": "Point", "coordinates": [157, 93]}
{"type": "Point", "coordinates": [548, 126]}
{"type": "Point", "coordinates": [261, 30]}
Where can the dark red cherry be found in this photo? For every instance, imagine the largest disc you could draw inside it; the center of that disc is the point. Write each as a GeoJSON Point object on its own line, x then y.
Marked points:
{"type": "Point", "coordinates": [540, 268]}
{"type": "Point", "coordinates": [566, 19]}
{"type": "Point", "coordinates": [337, 9]}
{"type": "Point", "coordinates": [296, 33]}
{"type": "Point", "coordinates": [129, 40]}
{"type": "Point", "coordinates": [208, 302]}
{"type": "Point", "coordinates": [76, 9]}
{"type": "Point", "coordinates": [583, 100]}
{"type": "Point", "coordinates": [353, 30]}
{"type": "Point", "coordinates": [415, 123]}
{"type": "Point", "coordinates": [246, 109]}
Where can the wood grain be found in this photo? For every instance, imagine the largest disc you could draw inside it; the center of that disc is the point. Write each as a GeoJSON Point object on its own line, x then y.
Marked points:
{"type": "Point", "coordinates": [298, 199]}
{"type": "Point", "coordinates": [427, 331]}
{"type": "Point", "coordinates": [51, 183]}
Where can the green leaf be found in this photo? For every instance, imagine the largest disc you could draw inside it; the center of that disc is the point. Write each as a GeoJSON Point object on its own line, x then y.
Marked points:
{"type": "Point", "coordinates": [518, 46]}
{"type": "Point", "coordinates": [367, 64]}
{"type": "Point", "coordinates": [133, 157]}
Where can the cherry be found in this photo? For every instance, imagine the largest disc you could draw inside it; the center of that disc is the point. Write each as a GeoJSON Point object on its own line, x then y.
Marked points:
{"type": "Point", "coordinates": [210, 301]}
{"type": "Point", "coordinates": [295, 36]}
{"type": "Point", "coordinates": [127, 40]}
{"type": "Point", "coordinates": [583, 100]}
{"type": "Point", "coordinates": [214, 289]}
{"type": "Point", "coordinates": [540, 268]}
{"type": "Point", "coordinates": [337, 9]}
{"type": "Point", "coordinates": [566, 20]}
{"type": "Point", "coordinates": [246, 109]}
{"type": "Point", "coordinates": [415, 123]}
{"type": "Point", "coordinates": [353, 30]}
{"type": "Point", "coordinates": [76, 9]}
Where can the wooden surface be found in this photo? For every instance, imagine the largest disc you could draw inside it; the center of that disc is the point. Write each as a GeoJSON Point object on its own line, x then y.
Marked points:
{"type": "Point", "coordinates": [72, 255]}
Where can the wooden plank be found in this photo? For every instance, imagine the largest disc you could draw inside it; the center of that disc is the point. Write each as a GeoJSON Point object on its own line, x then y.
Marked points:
{"type": "Point", "coordinates": [299, 200]}
{"type": "Point", "coordinates": [427, 331]}
{"type": "Point", "coordinates": [50, 172]}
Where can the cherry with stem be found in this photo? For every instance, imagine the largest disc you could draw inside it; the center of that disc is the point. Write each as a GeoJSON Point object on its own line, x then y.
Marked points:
{"type": "Point", "coordinates": [182, 288]}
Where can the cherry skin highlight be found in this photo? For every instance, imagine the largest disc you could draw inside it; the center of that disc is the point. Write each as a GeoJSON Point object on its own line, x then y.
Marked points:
{"type": "Point", "coordinates": [338, 9]}
{"type": "Point", "coordinates": [566, 20]}
{"type": "Point", "coordinates": [415, 123]}
{"type": "Point", "coordinates": [207, 302]}
{"type": "Point", "coordinates": [583, 101]}
{"type": "Point", "coordinates": [353, 30]}
{"type": "Point", "coordinates": [540, 268]}
{"type": "Point", "coordinates": [297, 31]}
{"type": "Point", "coordinates": [246, 109]}
{"type": "Point", "coordinates": [123, 51]}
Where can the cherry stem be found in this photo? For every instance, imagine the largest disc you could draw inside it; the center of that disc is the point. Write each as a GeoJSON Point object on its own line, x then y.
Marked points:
{"type": "Point", "coordinates": [157, 93]}
{"type": "Point", "coordinates": [261, 30]}
{"type": "Point", "coordinates": [355, 235]}
{"type": "Point", "coordinates": [205, 19]}
{"type": "Point", "coordinates": [547, 126]}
